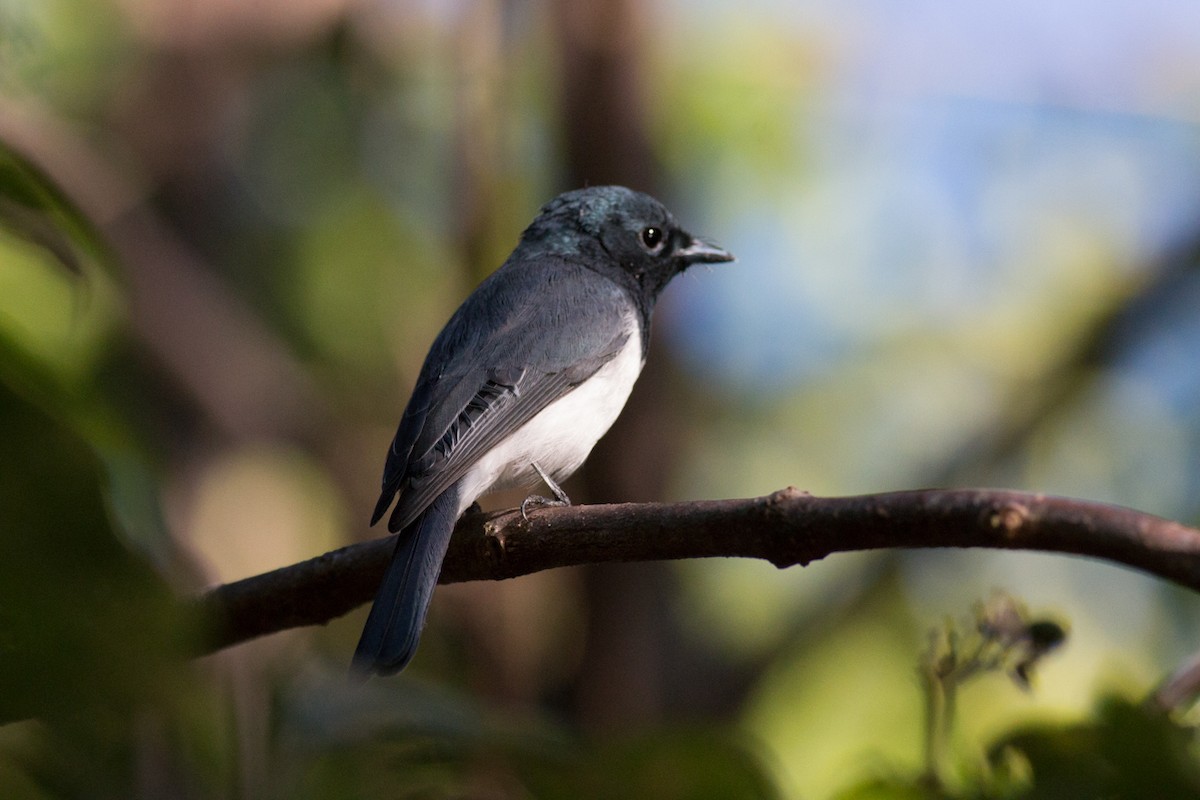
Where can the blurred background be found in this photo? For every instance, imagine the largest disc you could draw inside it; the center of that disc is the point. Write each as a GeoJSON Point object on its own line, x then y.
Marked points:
{"type": "Point", "coordinates": [968, 239]}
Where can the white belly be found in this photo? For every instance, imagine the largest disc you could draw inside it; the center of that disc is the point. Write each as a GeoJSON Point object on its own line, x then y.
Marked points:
{"type": "Point", "coordinates": [561, 436]}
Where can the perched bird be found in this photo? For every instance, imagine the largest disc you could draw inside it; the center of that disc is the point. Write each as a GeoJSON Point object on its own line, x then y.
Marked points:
{"type": "Point", "coordinates": [530, 371]}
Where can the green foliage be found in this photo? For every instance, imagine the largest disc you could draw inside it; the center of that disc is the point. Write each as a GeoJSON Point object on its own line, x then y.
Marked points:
{"type": "Point", "coordinates": [1001, 639]}
{"type": "Point", "coordinates": [69, 586]}
{"type": "Point", "coordinates": [1126, 751]}
{"type": "Point", "coordinates": [671, 764]}
{"type": "Point", "coordinates": [93, 641]}
{"type": "Point", "coordinates": [34, 209]}
{"type": "Point", "coordinates": [409, 739]}
{"type": "Point", "coordinates": [91, 637]}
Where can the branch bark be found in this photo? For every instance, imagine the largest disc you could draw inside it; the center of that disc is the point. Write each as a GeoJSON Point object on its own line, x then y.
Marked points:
{"type": "Point", "coordinates": [785, 528]}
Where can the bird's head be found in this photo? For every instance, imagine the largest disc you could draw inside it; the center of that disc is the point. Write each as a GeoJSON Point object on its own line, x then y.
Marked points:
{"type": "Point", "coordinates": [625, 231]}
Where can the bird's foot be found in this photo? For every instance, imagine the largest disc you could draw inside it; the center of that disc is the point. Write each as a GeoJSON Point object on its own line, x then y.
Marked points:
{"type": "Point", "coordinates": [537, 501]}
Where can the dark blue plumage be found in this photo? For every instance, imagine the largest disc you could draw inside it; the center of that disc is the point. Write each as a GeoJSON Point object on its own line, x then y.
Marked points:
{"type": "Point", "coordinates": [529, 372]}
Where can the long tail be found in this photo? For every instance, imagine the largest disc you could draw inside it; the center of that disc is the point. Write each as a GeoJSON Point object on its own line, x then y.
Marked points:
{"type": "Point", "coordinates": [389, 639]}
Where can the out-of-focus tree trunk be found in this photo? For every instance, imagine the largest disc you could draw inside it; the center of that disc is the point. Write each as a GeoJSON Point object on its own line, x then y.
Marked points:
{"type": "Point", "coordinates": [602, 102]}
{"type": "Point", "coordinates": [602, 92]}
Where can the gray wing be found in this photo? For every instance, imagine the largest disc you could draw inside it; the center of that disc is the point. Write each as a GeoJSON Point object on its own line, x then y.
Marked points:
{"type": "Point", "coordinates": [528, 335]}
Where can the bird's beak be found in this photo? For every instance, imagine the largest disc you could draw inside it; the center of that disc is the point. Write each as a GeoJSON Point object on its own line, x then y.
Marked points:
{"type": "Point", "coordinates": [699, 251]}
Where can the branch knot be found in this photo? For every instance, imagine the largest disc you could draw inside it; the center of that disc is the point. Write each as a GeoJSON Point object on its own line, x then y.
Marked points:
{"type": "Point", "coordinates": [1010, 518]}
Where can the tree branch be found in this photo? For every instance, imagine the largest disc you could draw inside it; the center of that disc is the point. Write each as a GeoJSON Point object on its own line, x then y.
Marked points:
{"type": "Point", "coordinates": [787, 527]}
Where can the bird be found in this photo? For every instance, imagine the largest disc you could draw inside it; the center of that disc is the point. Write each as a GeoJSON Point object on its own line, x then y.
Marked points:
{"type": "Point", "coordinates": [529, 372]}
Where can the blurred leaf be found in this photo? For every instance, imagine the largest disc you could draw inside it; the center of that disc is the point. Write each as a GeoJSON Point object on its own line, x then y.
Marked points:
{"type": "Point", "coordinates": [388, 739]}
{"type": "Point", "coordinates": [327, 711]}
{"type": "Point", "coordinates": [93, 643]}
{"type": "Point", "coordinates": [404, 738]}
{"type": "Point", "coordinates": [671, 765]}
{"type": "Point", "coordinates": [890, 789]}
{"type": "Point", "coordinates": [57, 325]}
{"type": "Point", "coordinates": [1128, 751]}
{"type": "Point", "coordinates": [82, 620]}
{"type": "Point", "coordinates": [33, 208]}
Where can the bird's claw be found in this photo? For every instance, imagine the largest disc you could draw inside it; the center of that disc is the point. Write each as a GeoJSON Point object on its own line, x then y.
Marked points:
{"type": "Point", "coordinates": [560, 497]}
{"type": "Point", "coordinates": [537, 501]}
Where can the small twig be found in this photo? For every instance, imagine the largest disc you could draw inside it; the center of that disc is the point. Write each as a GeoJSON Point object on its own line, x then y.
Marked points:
{"type": "Point", "coordinates": [786, 528]}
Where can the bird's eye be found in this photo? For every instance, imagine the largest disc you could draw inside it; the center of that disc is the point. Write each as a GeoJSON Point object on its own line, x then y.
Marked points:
{"type": "Point", "coordinates": [652, 238]}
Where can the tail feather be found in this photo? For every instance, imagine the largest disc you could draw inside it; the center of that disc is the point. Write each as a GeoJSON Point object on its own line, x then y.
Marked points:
{"type": "Point", "coordinates": [389, 638]}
